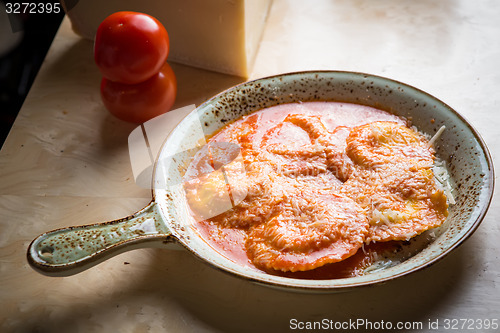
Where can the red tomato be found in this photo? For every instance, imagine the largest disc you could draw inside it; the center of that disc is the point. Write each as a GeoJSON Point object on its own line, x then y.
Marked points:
{"type": "Point", "coordinates": [130, 47]}
{"type": "Point", "coordinates": [140, 102]}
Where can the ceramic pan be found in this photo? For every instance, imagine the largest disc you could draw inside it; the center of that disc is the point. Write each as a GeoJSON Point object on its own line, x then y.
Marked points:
{"type": "Point", "coordinates": [70, 250]}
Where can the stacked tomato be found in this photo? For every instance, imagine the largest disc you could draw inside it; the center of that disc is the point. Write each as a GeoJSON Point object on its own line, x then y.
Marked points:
{"type": "Point", "coordinates": [131, 50]}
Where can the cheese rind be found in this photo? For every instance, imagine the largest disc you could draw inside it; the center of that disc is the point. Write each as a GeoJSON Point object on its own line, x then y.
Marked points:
{"type": "Point", "coordinates": [218, 35]}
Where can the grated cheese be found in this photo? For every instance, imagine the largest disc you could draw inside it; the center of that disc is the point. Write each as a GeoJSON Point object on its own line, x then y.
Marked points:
{"type": "Point", "coordinates": [436, 136]}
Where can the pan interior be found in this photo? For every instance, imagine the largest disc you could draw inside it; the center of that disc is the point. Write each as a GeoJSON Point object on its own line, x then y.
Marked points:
{"type": "Point", "coordinates": [463, 150]}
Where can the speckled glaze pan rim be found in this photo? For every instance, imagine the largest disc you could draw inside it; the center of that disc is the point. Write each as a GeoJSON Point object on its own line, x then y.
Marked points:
{"type": "Point", "coordinates": [345, 284]}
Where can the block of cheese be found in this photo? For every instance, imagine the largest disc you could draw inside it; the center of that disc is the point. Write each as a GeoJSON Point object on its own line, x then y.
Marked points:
{"type": "Point", "coordinates": [218, 35]}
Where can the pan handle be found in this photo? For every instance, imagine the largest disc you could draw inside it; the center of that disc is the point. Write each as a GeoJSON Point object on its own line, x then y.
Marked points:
{"type": "Point", "coordinates": [68, 251]}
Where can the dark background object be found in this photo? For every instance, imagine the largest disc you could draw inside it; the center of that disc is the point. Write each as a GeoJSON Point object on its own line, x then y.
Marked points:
{"type": "Point", "coordinates": [19, 66]}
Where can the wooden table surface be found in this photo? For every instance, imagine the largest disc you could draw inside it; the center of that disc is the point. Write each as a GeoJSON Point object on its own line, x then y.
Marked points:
{"type": "Point", "coordinates": [66, 162]}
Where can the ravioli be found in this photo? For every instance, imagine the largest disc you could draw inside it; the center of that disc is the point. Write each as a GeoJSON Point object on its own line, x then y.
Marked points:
{"type": "Point", "coordinates": [313, 193]}
{"type": "Point", "coordinates": [308, 232]}
{"type": "Point", "coordinates": [394, 181]}
{"type": "Point", "coordinates": [382, 144]}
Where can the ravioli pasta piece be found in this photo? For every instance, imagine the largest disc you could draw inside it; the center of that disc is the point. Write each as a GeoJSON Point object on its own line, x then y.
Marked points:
{"type": "Point", "coordinates": [384, 143]}
{"type": "Point", "coordinates": [213, 195]}
{"type": "Point", "coordinates": [311, 124]}
{"type": "Point", "coordinates": [308, 232]}
{"type": "Point", "coordinates": [333, 143]}
{"type": "Point", "coordinates": [400, 204]}
{"type": "Point", "coordinates": [404, 220]}
{"type": "Point", "coordinates": [292, 151]}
